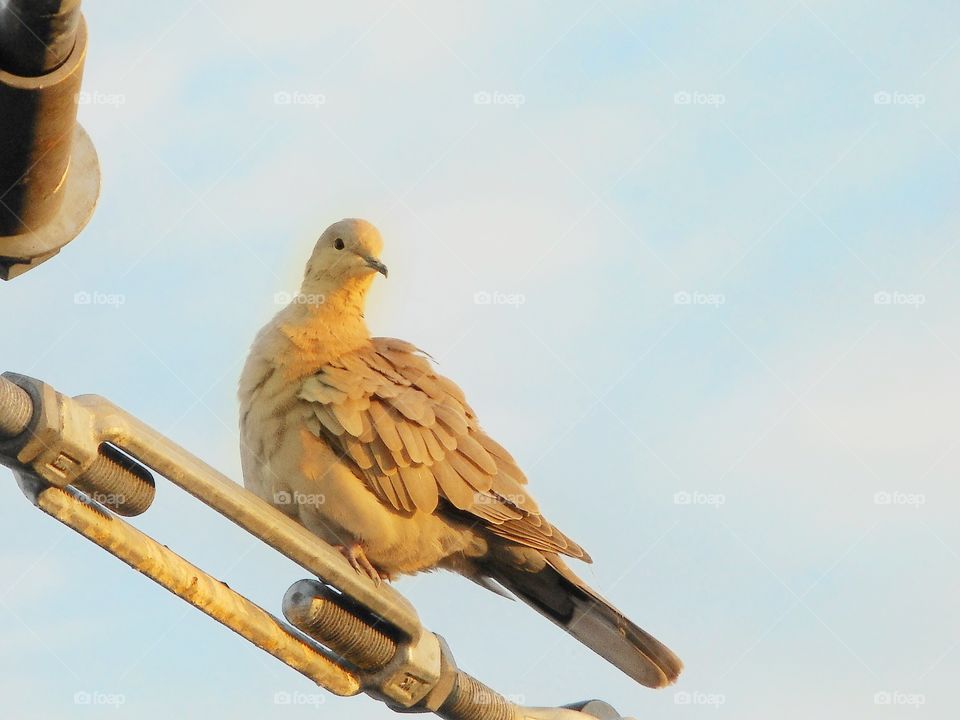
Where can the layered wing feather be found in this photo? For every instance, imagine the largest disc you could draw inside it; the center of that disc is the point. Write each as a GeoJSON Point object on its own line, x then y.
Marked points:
{"type": "Point", "coordinates": [415, 440]}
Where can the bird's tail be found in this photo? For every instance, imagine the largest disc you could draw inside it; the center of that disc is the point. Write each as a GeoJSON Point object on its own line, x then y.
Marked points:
{"type": "Point", "coordinates": [557, 593]}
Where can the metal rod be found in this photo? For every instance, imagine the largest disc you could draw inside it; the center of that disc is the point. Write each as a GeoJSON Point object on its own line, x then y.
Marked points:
{"type": "Point", "coordinates": [118, 483]}
{"type": "Point", "coordinates": [37, 36]}
{"type": "Point", "coordinates": [472, 700]}
{"type": "Point", "coordinates": [333, 620]}
{"type": "Point", "coordinates": [321, 613]}
{"type": "Point", "coordinates": [188, 582]}
{"type": "Point", "coordinates": [70, 429]}
{"type": "Point", "coordinates": [49, 172]}
{"type": "Point", "coordinates": [16, 408]}
{"type": "Point", "coordinates": [249, 512]}
{"type": "Point", "coordinates": [63, 449]}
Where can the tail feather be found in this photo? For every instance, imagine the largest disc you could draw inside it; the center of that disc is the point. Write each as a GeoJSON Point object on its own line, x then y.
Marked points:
{"type": "Point", "coordinates": [557, 593]}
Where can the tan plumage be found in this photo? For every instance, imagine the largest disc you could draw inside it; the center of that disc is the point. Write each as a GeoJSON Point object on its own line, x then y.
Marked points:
{"type": "Point", "coordinates": [383, 457]}
{"type": "Point", "coordinates": [385, 423]}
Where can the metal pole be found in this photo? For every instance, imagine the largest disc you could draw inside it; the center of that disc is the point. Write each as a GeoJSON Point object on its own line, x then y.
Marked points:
{"type": "Point", "coordinates": [37, 36]}
{"type": "Point", "coordinates": [49, 173]}
{"type": "Point", "coordinates": [188, 582]}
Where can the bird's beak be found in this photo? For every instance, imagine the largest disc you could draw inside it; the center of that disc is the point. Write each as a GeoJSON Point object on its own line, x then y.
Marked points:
{"type": "Point", "coordinates": [372, 262]}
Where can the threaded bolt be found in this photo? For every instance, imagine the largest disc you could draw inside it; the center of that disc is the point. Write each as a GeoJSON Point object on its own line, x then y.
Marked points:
{"type": "Point", "coordinates": [321, 617]}
{"type": "Point", "coordinates": [16, 408]}
{"type": "Point", "coordinates": [472, 700]}
{"type": "Point", "coordinates": [118, 483]}
{"type": "Point", "coordinates": [113, 479]}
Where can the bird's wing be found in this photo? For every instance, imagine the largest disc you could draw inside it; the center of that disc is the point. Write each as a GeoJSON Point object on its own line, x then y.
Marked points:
{"type": "Point", "coordinates": [414, 439]}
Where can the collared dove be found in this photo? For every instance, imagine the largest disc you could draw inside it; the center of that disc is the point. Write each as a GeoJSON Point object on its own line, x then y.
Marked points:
{"type": "Point", "coordinates": [364, 443]}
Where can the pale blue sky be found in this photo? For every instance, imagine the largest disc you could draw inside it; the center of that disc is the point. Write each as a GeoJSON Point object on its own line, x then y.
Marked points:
{"type": "Point", "coordinates": [734, 154]}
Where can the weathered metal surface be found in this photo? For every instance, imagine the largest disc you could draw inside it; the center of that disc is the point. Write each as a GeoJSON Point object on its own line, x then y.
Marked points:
{"type": "Point", "coordinates": [188, 582]}
{"type": "Point", "coordinates": [377, 644]}
{"type": "Point", "coordinates": [64, 447]}
{"type": "Point", "coordinates": [49, 172]}
{"type": "Point", "coordinates": [37, 36]}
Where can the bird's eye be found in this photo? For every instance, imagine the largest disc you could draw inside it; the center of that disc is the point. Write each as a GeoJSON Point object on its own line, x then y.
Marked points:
{"type": "Point", "coordinates": [338, 243]}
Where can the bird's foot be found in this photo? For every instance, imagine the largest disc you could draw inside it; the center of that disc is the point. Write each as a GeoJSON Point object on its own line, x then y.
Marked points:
{"type": "Point", "coordinates": [358, 560]}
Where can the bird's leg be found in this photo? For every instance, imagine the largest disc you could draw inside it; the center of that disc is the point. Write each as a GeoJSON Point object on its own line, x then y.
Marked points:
{"type": "Point", "coordinates": [358, 560]}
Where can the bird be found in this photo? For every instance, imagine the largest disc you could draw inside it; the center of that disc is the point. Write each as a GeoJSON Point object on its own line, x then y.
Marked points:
{"type": "Point", "coordinates": [364, 443]}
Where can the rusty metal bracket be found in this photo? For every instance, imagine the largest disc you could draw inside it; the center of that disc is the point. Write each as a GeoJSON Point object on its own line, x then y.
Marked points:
{"type": "Point", "coordinates": [346, 633]}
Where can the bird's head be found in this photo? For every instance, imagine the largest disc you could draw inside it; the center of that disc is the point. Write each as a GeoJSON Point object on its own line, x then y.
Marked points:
{"type": "Point", "coordinates": [345, 258]}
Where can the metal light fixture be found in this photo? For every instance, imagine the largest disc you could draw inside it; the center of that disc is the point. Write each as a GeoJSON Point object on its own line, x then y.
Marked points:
{"type": "Point", "coordinates": [49, 172]}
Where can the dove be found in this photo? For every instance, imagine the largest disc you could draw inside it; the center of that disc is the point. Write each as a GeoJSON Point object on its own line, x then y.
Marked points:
{"type": "Point", "coordinates": [365, 444]}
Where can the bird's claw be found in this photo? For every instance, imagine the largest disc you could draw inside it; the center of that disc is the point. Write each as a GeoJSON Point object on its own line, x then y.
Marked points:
{"type": "Point", "coordinates": [359, 562]}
